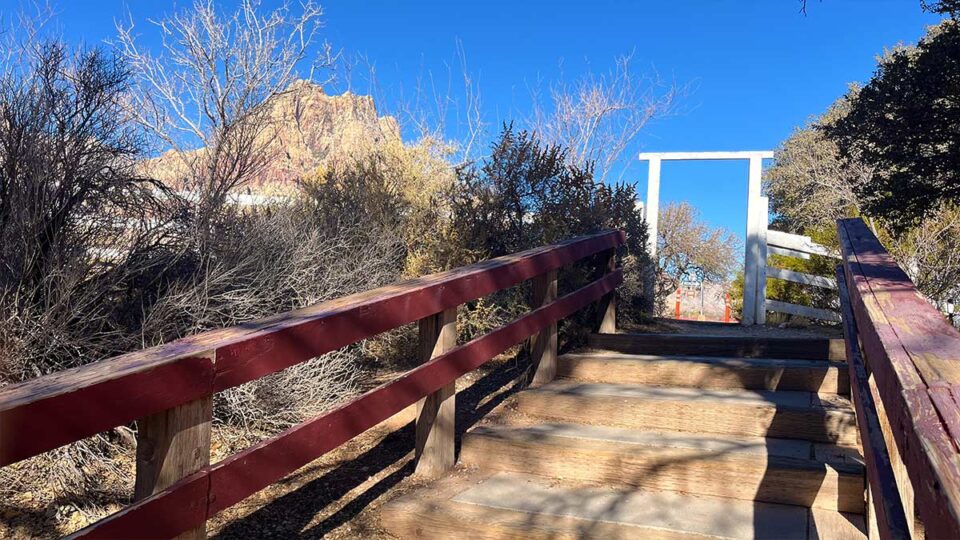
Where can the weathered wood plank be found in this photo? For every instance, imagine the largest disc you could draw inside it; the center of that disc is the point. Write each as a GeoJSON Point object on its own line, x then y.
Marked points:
{"type": "Point", "coordinates": [890, 514]}
{"type": "Point", "coordinates": [242, 474]}
{"type": "Point", "coordinates": [171, 445]}
{"type": "Point", "coordinates": [607, 306]}
{"type": "Point", "coordinates": [802, 311]}
{"type": "Point", "coordinates": [543, 345]}
{"type": "Point", "coordinates": [753, 414]}
{"type": "Point", "coordinates": [796, 242]}
{"type": "Point", "coordinates": [436, 413]}
{"type": "Point", "coordinates": [913, 355]}
{"type": "Point", "coordinates": [122, 389]}
{"type": "Point", "coordinates": [734, 346]}
{"type": "Point", "coordinates": [754, 469]}
{"type": "Point", "coordinates": [801, 277]}
{"type": "Point", "coordinates": [706, 372]}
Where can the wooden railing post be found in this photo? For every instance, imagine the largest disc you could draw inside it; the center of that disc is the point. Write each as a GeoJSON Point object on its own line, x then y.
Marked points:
{"type": "Point", "coordinates": [607, 306]}
{"type": "Point", "coordinates": [543, 345]}
{"type": "Point", "coordinates": [436, 412]}
{"type": "Point", "coordinates": [172, 444]}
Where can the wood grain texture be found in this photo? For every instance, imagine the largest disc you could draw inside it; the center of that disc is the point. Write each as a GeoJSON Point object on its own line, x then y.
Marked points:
{"type": "Point", "coordinates": [776, 414]}
{"type": "Point", "coordinates": [436, 413]}
{"type": "Point", "coordinates": [776, 471]}
{"type": "Point", "coordinates": [887, 504]}
{"type": "Point", "coordinates": [113, 392]}
{"type": "Point", "coordinates": [172, 445]}
{"type": "Point", "coordinates": [913, 356]}
{"type": "Point", "coordinates": [705, 372]}
{"type": "Point", "coordinates": [707, 345]}
{"type": "Point", "coordinates": [521, 507]}
{"type": "Point", "coordinates": [607, 306]}
{"type": "Point", "coordinates": [543, 345]}
{"type": "Point", "coordinates": [231, 480]}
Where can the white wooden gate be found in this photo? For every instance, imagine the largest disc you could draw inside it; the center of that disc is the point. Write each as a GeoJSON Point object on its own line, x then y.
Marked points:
{"type": "Point", "coordinates": [760, 242]}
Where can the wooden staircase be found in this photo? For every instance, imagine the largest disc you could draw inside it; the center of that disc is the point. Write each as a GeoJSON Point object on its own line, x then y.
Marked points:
{"type": "Point", "coordinates": [707, 440]}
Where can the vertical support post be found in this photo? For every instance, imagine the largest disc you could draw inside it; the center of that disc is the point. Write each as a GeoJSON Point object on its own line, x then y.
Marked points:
{"type": "Point", "coordinates": [651, 215]}
{"type": "Point", "coordinates": [172, 444]}
{"type": "Point", "coordinates": [763, 220]}
{"type": "Point", "coordinates": [543, 345]}
{"type": "Point", "coordinates": [435, 428]}
{"type": "Point", "coordinates": [607, 305]}
{"type": "Point", "coordinates": [752, 246]}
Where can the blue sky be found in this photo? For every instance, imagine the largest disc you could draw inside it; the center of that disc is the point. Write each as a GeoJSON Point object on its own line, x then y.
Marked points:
{"type": "Point", "coordinates": [757, 68]}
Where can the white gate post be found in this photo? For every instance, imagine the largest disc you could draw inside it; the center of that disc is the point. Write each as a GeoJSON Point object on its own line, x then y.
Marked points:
{"type": "Point", "coordinates": [752, 248]}
{"type": "Point", "coordinates": [651, 214]}
{"type": "Point", "coordinates": [763, 220]}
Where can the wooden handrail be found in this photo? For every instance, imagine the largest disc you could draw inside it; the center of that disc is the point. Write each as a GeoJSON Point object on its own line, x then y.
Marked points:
{"type": "Point", "coordinates": [171, 384]}
{"type": "Point", "coordinates": [913, 355]}
{"type": "Point", "coordinates": [887, 505]}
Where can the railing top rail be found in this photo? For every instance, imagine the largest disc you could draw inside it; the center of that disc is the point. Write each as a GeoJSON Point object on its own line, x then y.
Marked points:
{"type": "Point", "coordinates": [67, 406]}
{"type": "Point", "coordinates": [914, 355]}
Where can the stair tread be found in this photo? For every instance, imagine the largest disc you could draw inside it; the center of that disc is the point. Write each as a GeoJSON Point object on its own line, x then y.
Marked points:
{"type": "Point", "coordinates": [847, 460]}
{"type": "Point", "coordinates": [729, 361]}
{"type": "Point", "coordinates": [535, 507]}
{"type": "Point", "coordinates": [781, 398]}
{"type": "Point", "coordinates": [818, 348]}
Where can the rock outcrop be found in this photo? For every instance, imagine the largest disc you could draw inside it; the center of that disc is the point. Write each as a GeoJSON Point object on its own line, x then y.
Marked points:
{"type": "Point", "coordinates": [305, 129]}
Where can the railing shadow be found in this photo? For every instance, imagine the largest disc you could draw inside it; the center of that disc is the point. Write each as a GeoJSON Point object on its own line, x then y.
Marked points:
{"type": "Point", "coordinates": [290, 515]}
{"type": "Point", "coordinates": [767, 510]}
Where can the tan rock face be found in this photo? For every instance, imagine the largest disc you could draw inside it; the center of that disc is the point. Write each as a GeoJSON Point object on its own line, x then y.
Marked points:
{"type": "Point", "coordinates": [305, 129]}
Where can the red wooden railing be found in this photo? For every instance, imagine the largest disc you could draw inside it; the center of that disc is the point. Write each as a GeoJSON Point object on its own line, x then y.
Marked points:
{"type": "Point", "coordinates": [167, 389]}
{"type": "Point", "coordinates": [905, 384]}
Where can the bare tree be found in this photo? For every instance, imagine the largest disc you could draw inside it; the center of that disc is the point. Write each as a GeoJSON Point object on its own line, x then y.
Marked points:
{"type": "Point", "coordinates": [598, 117]}
{"type": "Point", "coordinates": [687, 245]}
{"type": "Point", "coordinates": [204, 96]}
{"type": "Point", "coordinates": [446, 109]}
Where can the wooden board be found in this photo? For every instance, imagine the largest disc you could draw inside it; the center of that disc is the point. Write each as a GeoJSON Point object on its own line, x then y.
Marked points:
{"type": "Point", "coordinates": [171, 445]}
{"type": "Point", "coordinates": [768, 470]}
{"type": "Point", "coordinates": [240, 475]}
{"type": "Point", "coordinates": [113, 392]}
{"type": "Point", "coordinates": [520, 506]}
{"type": "Point", "coordinates": [733, 346]}
{"type": "Point", "coordinates": [794, 415]}
{"type": "Point", "coordinates": [774, 250]}
{"type": "Point", "coordinates": [802, 311]}
{"type": "Point", "coordinates": [543, 345]}
{"type": "Point", "coordinates": [801, 278]}
{"type": "Point", "coordinates": [796, 242]}
{"type": "Point", "coordinates": [705, 372]}
{"type": "Point", "coordinates": [889, 516]}
{"type": "Point", "coordinates": [436, 413]}
{"type": "Point", "coordinates": [912, 353]}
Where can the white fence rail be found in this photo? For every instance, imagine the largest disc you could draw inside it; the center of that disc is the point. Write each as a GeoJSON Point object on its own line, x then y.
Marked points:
{"type": "Point", "coordinates": [790, 245]}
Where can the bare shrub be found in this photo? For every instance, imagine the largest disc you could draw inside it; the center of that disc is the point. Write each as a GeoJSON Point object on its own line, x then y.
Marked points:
{"type": "Point", "coordinates": [277, 260]}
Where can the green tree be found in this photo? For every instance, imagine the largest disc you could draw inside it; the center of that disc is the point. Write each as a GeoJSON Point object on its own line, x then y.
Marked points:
{"type": "Point", "coordinates": [905, 125]}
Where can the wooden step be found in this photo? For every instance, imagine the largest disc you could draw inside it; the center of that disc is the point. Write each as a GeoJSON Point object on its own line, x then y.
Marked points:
{"type": "Point", "coordinates": [705, 371]}
{"type": "Point", "coordinates": [789, 415]}
{"type": "Point", "coordinates": [507, 505]}
{"type": "Point", "coordinates": [730, 346]}
{"type": "Point", "coordinates": [748, 468]}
